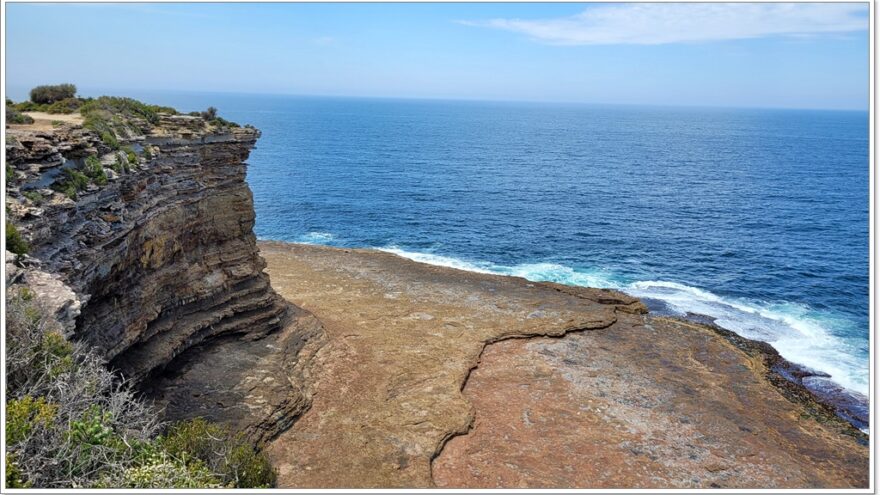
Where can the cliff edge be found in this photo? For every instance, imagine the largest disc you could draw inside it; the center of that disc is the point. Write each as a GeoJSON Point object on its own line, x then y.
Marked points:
{"type": "Point", "coordinates": [138, 227]}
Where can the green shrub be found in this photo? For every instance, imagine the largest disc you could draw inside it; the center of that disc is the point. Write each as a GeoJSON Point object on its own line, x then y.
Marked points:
{"type": "Point", "coordinates": [95, 171]}
{"type": "Point", "coordinates": [148, 152]}
{"type": "Point", "coordinates": [209, 114]}
{"type": "Point", "coordinates": [163, 471]}
{"type": "Point", "coordinates": [80, 427]}
{"type": "Point", "coordinates": [13, 116]}
{"type": "Point", "coordinates": [92, 428]}
{"type": "Point", "coordinates": [72, 182]}
{"type": "Point", "coordinates": [22, 415]}
{"type": "Point", "coordinates": [126, 108]}
{"type": "Point", "coordinates": [29, 106]}
{"type": "Point", "coordinates": [26, 294]}
{"type": "Point", "coordinates": [102, 123]}
{"type": "Point", "coordinates": [34, 197]}
{"type": "Point", "coordinates": [109, 138]}
{"type": "Point", "coordinates": [14, 476]}
{"type": "Point", "coordinates": [130, 154]}
{"type": "Point", "coordinates": [52, 93]}
{"type": "Point", "coordinates": [10, 174]}
{"type": "Point", "coordinates": [14, 241]}
{"type": "Point", "coordinates": [65, 106]}
{"type": "Point", "coordinates": [229, 455]}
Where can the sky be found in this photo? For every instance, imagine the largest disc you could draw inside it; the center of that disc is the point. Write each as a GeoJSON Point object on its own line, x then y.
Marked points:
{"type": "Point", "coordinates": [740, 55]}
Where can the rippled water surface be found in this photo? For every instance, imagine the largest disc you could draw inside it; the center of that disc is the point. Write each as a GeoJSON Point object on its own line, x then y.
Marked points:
{"type": "Point", "coordinates": [757, 218]}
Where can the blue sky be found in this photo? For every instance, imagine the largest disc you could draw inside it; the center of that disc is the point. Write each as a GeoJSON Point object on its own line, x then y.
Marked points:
{"type": "Point", "coordinates": [754, 55]}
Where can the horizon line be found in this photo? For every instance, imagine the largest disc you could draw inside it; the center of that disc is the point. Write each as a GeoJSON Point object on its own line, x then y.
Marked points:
{"type": "Point", "coordinates": [88, 89]}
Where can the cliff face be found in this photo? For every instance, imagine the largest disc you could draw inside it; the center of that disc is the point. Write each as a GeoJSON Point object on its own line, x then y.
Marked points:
{"type": "Point", "coordinates": [162, 257]}
{"type": "Point", "coordinates": [159, 259]}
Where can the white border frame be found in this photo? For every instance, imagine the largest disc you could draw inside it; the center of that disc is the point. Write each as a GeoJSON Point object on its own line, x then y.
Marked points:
{"type": "Point", "coordinates": [872, 293]}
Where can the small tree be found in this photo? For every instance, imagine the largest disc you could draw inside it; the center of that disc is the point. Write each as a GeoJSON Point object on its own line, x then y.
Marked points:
{"type": "Point", "coordinates": [210, 113]}
{"type": "Point", "coordinates": [52, 93]}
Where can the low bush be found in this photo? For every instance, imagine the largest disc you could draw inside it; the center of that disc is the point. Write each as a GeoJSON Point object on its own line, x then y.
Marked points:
{"type": "Point", "coordinates": [160, 470]}
{"type": "Point", "coordinates": [126, 108]}
{"type": "Point", "coordinates": [221, 122]}
{"type": "Point", "coordinates": [95, 171]}
{"type": "Point", "coordinates": [14, 476]}
{"type": "Point", "coordinates": [130, 154]}
{"type": "Point", "coordinates": [14, 241]}
{"type": "Point", "coordinates": [71, 183]}
{"type": "Point", "coordinates": [65, 106]}
{"type": "Point", "coordinates": [34, 197]}
{"type": "Point", "coordinates": [29, 106]}
{"type": "Point", "coordinates": [209, 114]}
{"type": "Point", "coordinates": [229, 455]}
{"type": "Point", "coordinates": [52, 93]}
{"type": "Point", "coordinates": [13, 116]}
{"type": "Point", "coordinates": [72, 423]}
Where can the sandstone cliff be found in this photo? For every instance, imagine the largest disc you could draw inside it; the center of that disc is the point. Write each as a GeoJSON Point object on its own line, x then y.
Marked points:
{"type": "Point", "coordinates": [156, 257]}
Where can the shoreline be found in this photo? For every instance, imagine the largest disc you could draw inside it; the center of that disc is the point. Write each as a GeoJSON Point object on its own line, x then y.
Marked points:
{"type": "Point", "coordinates": [792, 378]}
{"type": "Point", "coordinates": [424, 367]}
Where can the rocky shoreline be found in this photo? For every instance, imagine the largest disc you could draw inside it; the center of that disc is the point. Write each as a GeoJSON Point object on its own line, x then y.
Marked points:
{"type": "Point", "coordinates": [432, 376]}
{"type": "Point", "coordinates": [830, 405]}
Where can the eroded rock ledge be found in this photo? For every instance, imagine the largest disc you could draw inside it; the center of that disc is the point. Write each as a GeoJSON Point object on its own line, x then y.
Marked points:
{"type": "Point", "coordinates": [423, 382]}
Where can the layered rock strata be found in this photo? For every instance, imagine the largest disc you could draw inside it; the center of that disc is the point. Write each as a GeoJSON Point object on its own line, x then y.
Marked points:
{"type": "Point", "coordinates": [160, 259]}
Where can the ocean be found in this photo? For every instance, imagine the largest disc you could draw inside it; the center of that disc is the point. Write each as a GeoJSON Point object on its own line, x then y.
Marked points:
{"type": "Point", "coordinates": [756, 219]}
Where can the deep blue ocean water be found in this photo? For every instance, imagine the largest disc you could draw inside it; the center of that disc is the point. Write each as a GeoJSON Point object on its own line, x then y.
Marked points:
{"type": "Point", "coordinates": [756, 218]}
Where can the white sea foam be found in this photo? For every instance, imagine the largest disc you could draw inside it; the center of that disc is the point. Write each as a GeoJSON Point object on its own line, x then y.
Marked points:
{"type": "Point", "coordinates": [801, 335]}
{"type": "Point", "coordinates": [434, 259]}
{"type": "Point", "coordinates": [315, 238]}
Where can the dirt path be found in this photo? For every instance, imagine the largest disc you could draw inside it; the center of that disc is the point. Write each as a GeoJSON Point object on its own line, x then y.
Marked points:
{"type": "Point", "coordinates": [47, 121]}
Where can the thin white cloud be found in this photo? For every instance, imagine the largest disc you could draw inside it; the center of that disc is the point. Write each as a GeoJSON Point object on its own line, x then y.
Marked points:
{"type": "Point", "coordinates": [661, 23]}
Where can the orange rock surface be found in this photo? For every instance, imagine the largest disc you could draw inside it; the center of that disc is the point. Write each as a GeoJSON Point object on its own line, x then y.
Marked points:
{"type": "Point", "coordinates": [432, 376]}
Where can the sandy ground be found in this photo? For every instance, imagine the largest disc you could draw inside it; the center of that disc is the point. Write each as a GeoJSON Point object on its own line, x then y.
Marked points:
{"type": "Point", "coordinates": [45, 121]}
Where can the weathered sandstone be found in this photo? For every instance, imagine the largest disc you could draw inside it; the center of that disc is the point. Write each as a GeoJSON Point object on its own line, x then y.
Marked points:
{"type": "Point", "coordinates": [160, 259]}
{"type": "Point", "coordinates": [436, 377]}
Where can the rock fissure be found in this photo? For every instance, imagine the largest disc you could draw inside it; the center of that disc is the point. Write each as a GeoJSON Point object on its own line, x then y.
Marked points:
{"type": "Point", "coordinates": [472, 417]}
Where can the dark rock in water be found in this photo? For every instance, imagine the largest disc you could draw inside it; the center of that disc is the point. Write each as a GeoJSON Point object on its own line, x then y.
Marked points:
{"type": "Point", "coordinates": [657, 307]}
{"type": "Point", "coordinates": [849, 405]}
{"type": "Point", "coordinates": [704, 319]}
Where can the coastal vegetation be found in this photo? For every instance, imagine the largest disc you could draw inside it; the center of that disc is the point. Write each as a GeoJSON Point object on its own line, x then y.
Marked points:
{"type": "Point", "coordinates": [72, 182]}
{"type": "Point", "coordinates": [52, 93]}
{"type": "Point", "coordinates": [13, 116]}
{"type": "Point", "coordinates": [14, 241]}
{"type": "Point", "coordinates": [71, 422]}
{"type": "Point", "coordinates": [111, 118]}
